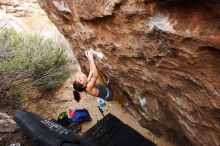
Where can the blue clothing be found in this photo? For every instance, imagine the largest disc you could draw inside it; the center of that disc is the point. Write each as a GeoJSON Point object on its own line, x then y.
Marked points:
{"type": "Point", "coordinates": [104, 92]}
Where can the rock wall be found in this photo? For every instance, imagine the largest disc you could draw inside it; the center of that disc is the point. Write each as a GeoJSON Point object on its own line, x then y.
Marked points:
{"type": "Point", "coordinates": [15, 13]}
{"type": "Point", "coordinates": [18, 8]}
{"type": "Point", "coordinates": [7, 128]}
{"type": "Point", "coordinates": [163, 56]}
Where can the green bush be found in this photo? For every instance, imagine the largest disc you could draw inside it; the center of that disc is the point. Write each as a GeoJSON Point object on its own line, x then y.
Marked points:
{"type": "Point", "coordinates": [29, 61]}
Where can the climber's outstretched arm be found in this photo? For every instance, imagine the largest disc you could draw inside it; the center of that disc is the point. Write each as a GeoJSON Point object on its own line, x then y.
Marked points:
{"type": "Point", "coordinates": [94, 71]}
{"type": "Point", "coordinates": [90, 72]}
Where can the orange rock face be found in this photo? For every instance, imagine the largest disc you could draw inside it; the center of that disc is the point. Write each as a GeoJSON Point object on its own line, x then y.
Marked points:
{"type": "Point", "coordinates": [164, 55]}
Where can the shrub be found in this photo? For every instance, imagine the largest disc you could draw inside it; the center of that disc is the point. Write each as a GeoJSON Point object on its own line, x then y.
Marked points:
{"type": "Point", "coordinates": [29, 61]}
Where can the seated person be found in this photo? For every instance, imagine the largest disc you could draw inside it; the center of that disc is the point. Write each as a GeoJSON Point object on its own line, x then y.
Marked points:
{"type": "Point", "coordinates": [89, 84]}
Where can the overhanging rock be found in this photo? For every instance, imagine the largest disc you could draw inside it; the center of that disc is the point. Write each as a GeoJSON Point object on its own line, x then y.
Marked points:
{"type": "Point", "coordinates": [164, 55]}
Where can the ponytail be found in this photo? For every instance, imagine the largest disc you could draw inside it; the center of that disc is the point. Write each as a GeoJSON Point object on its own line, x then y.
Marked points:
{"type": "Point", "coordinates": [77, 88]}
{"type": "Point", "coordinates": [76, 95]}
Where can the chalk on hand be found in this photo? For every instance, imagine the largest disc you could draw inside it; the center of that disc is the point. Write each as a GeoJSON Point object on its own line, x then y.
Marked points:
{"type": "Point", "coordinates": [97, 54]}
{"type": "Point", "coordinates": [143, 101]}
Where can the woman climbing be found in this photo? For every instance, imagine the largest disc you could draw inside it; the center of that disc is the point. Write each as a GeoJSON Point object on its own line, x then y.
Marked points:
{"type": "Point", "coordinates": [89, 84]}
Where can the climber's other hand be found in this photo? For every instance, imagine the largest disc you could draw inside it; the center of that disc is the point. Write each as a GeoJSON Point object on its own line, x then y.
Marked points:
{"type": "Point", "coordinates": [89, 54]}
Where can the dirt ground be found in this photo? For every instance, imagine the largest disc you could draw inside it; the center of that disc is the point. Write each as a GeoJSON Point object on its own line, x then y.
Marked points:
{"type": "Point", "coordinates": [56, 102]}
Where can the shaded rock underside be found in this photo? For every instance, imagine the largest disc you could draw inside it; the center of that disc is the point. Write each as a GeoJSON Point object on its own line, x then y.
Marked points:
{"type": "Point", "coordinates": [163, 56]}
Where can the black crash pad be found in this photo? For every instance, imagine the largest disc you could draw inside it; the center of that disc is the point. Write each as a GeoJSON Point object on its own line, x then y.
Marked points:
{"type": "Point", "coordinates": [110, 131]}
{"type": "Point", "coordinates": [47, 133]}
